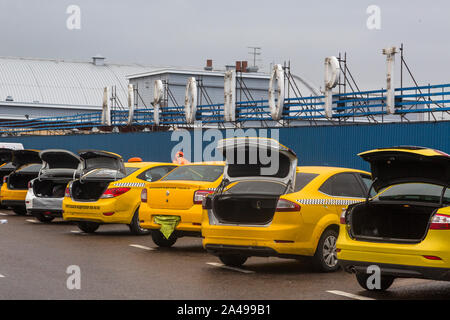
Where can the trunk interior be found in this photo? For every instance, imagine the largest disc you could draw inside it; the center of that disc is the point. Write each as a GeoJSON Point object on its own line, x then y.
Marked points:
{"type": "Point", "coordinates": [245, 209]}
{"type": "Point", "coordinates": [88, 191]}
{"type": "Point", "coordinates": [384, 222]}
{"type": "Point", "coordinates": [19, 181]}
{"type": "Point", "coordinates": [49, 189]}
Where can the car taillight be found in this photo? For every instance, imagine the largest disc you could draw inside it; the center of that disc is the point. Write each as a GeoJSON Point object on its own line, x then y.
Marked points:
{"type": "Point", "coordinates": [440, 222]}
{"type": "Point", "coordinates": [114, 192]}
{"type": "Point", "coordinates": [144, 195]}
{"type": "Point", "coordinates": [5, 179]}
{"type": "Point", "coordinates": [67, 192]}
{"type": "Point", "coordinates": [342, 219]}
{"type": "Point", "coordinates": [30, 184]}
{"type": "Point", "coordinates": [284, 205]}
{"type": "Point", "coordinates": [199, 195]}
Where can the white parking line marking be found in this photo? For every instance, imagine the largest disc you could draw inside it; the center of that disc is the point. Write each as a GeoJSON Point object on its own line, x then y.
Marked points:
{"type": "Point", "coordinates": [2, 276]}
{"type": "Point", "coordinates": [3, 221]}
{"type": "Point", "coordinates": [32, 221]}
{"type": "Point", "coordinates": [141, 247]}
{"type": "Point", "coordinates": [349, 295]}
{"type": "Point", "coordinates": [220, 265]}
{"type": "Point", "coordinates": [3, 214]}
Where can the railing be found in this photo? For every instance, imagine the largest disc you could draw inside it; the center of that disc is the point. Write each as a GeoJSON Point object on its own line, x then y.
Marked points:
{"type": "Point", "coordinates": [362, 106]}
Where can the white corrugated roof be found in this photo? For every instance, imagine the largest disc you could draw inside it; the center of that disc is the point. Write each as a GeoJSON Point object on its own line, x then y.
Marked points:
{"type": "Point", "coordinates": [59, 82]}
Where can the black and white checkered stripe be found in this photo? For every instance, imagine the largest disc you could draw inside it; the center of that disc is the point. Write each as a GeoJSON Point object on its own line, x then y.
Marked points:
{"type": "Point", "coordinates": [331, 202]}
{"type": "Point", "coordinates": [130, 184]}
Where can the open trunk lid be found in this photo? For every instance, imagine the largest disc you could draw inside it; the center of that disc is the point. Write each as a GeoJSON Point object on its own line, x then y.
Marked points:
{"type": "Point", "coordinates": [59, 164]}
{"type": "Point", "coordinates": [6, 155]}
{"type": "Point", "coordinates": [396, 165]}
{"type": "Point", "coordinates": [174, 195]}
{"type": "Point", "coordinates": [100, 165]}
{"type": "Point", "coordinates": [24, 157]}
{"type": "Point", "coordinates": [258, 159]}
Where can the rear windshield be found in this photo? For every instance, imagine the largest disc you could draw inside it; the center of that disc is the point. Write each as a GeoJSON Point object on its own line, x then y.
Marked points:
{"type": "Point", "coordinates": [258, 187]}
{"type": "Point", "coordinates": [195, 173]}
{"type": "Point", "coordinates": [7, 167]}
{"type": "Point", "coordinates": [103, 162]}
{"type": "Point", "coordinates": [30, 168]}
{"type": "Point", "coordinates": [422, 192]}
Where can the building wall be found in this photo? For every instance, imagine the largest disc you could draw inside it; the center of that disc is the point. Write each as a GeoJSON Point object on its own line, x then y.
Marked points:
{"type": "Point", "coordinates": [326, 145]}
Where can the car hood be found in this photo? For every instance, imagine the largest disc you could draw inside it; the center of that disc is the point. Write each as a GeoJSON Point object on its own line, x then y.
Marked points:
{"type": "Point", "coordinates": [258, 158]}
{"type": "Point", "coordinates": [396, 165]}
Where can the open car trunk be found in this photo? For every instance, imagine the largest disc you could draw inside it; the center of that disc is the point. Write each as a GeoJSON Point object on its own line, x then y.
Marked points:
{"type": "Point", "coordinates": [99, 169]}
{"type": "Point", "coordinates": [258, 171]}
{"type": "Point", "coordinates": [6, 170]}
{"type": "Point", "coordinates": [88, 191]}
{"type": "Point", "coordinates": [391, 222]}
{"type": "Point", "coordinates": [49, 188]}
{"type": "Point", "coordinates": [19, 180]}
{"type": "Point", "coordinates": [245, 209]}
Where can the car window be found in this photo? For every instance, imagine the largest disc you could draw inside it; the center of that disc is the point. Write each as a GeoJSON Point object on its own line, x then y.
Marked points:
{"type": "Point", "coordinates": [205, 173]}
{"type": "Point", "coordinates": [302, 179]}
{"type": "Point", "coordinates": [155, 173]}
{"type": "Point", "coordinates": [130, 170]}
{"type": "Point", "coordinates": [367, 180]}
{"type": "Point", "coordinates": [414, 192]}
{"type": "Point", "coordinates": [30, 168]}
{"type": "Point", "coordinates": [343, 185]}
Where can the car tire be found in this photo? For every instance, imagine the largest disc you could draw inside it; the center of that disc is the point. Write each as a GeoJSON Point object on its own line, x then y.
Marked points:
{"type": "Point", "coordinates": [325, 258]}
{"type": "Point", "coordinates": [160, 240]}
{"type": "Point", "coordinates": [43, 218]}
{"type": "Point", "coordinates": [135, 225]}
{"type": "Point", "coordinates": [385, 283]}
{"type": "Point", "coordinates": [233, 260]}
{"type": "Point", "coordinates": [88, 226]}
{"type": "Point", "coordinates": [20, 211]}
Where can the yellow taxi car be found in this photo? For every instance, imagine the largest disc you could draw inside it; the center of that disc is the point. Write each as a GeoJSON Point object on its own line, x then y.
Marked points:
{"type": "Point", "coordinates": [108, 191]}
{"type": "Point", "coordinates": [172, 207]}
{"type": "Point", "coordinates": [403, 231]}
{"type": "Point", "coordinates": [27, 165]}
{"type": "Point", "coordinates": [289, 212]}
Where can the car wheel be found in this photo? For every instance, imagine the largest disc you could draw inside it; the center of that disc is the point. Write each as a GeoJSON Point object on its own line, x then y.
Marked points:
{"type": "Point", "coordinates": [20, 211]}
{"type": "Point", "coordinates": [325, 258]}
{"type": "Point", "coordinates": [385, 282]}
{"type": "Point", "coordinates": [88, 226]}
{"type": "Point", "coordinates": [160, 240]}
{"type": "Point", "coordinates": [135, 225]}
{"type": "Point", "coordinates": [43, 218]}
{"type": "Point", "coordinates": [233, 260]}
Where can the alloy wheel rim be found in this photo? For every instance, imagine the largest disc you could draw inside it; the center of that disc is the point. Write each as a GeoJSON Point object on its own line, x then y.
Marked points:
{"type": "Point", "coordinates": [329, 251]}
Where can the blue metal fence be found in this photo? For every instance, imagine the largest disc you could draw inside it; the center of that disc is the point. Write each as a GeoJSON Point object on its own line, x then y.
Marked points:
{"type": "Point", "coordinates": [350, 106]}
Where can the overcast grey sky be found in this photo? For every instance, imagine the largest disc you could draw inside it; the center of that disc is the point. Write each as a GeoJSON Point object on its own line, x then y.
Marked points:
{"type": "Point", "coordinates": [187, 32]}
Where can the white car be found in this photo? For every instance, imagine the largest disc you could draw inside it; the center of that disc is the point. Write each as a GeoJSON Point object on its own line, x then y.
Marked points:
{"type": "Point", "coordinates": [46, 192]}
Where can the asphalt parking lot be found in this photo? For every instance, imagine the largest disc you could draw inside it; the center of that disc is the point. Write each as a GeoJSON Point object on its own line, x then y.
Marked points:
{"type": "Point", "coordinates": [114, 264]}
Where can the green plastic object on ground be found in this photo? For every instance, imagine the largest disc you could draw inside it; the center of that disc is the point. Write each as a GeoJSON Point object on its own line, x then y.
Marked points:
{"type": "Point", "coordinates": [168, 224]}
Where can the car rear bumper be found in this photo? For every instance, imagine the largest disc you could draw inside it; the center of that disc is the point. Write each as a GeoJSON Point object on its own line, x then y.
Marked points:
{"type": "Point", "coordinates": [101, 211]}
{"type": "Point", "coordinates": [37, 204]}
{"type": "Point", "coordinates": [398, 271]}
{"type": "Point", "coordinates": [49, 213]}
{"type": "Point", "coordinates": [13, 203]}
